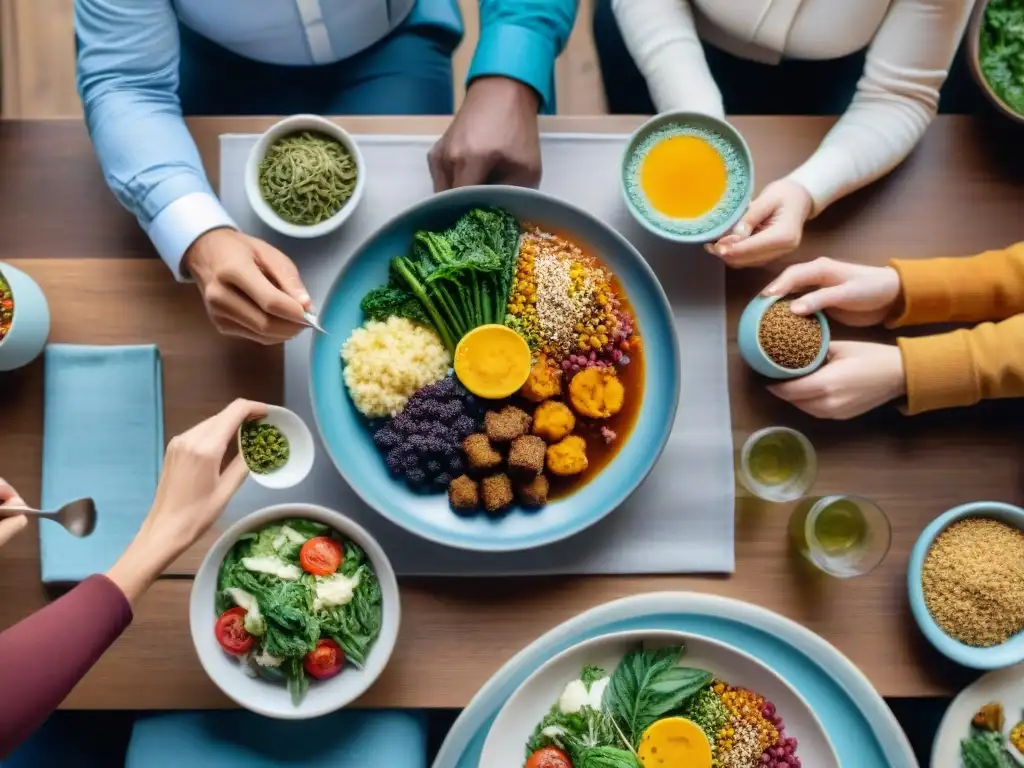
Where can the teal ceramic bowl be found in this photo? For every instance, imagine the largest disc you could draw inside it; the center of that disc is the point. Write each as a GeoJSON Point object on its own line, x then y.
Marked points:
{"type": "Point", "coordinates": [747, 335]}
{"type": "Point", "coordinates": [730, 145]}
{"type": "Point", "coordinates": [1004, 655]}
{"type": "Point", "coordinates": [30, 325]}
{"type": "Point", "coordinates": [349, 442]}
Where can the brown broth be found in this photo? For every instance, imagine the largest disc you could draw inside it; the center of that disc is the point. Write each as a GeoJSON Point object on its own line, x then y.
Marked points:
{"type": "Point", "coordinates": [599, 452]}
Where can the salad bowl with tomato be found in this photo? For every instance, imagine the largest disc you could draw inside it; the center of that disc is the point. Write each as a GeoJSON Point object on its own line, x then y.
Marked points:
{"type": "Point", "coordinates": [294, 611]}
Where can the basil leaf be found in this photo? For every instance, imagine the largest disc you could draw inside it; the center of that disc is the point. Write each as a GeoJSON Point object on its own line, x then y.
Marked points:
{"type": "Point", "coordinates": [647, 685]}
{"type": "Point", "coordinates": [607, 757]}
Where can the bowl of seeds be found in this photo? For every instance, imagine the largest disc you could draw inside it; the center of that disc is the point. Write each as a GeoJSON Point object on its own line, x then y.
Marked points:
{"type": "Point", "coordinates": [966, 584]}
{"type": "Point", "coordinates": [305, 176]}
{"type": "Point", "coordinates": [278, 449]}
{"type": "Point", "coordinates": [779, 344]}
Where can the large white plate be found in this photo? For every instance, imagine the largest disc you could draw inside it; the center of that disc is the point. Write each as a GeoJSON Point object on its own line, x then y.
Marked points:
{"type": "Point", "coordinates": [862, 728]}
{"type": "Point", "coordinates": [1005, 686]}
{"type": "Point", "coordinates": [505, 745]}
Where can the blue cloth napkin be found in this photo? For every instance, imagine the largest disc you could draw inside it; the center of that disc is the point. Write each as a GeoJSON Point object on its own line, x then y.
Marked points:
{"type": "Point", "coordinates": [103, 436]}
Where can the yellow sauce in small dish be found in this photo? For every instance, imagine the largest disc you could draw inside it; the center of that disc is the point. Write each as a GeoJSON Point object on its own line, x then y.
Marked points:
{"type": "Point", "coordinates": [492, 361]}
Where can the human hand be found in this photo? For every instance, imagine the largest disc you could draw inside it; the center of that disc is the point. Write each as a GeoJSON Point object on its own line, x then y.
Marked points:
{"type": "Point", "coordinates": [192, 492]}
{"type": "Point", "coordinates": [9, 526]}
{"type": "Point", "coordinates": [493, 138]}
{"type": "Point", "coordinates": [249, 287]}
{"type": "Point", "coordinates": [772, 226]}
{"type": "Point", "coordinates": [851, 293]}
{"type": "Point", "coordinates": [858, 377]}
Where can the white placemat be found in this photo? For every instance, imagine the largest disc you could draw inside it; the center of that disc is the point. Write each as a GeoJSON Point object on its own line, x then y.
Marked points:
{"type": "Point", "coordinates": [681, 519]}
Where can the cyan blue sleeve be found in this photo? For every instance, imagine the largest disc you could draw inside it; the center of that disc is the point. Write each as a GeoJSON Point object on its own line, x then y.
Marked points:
{"type": "Point", "coordinates": [128, 80]}
{"type": "Point", "coordinates": [521, 39]}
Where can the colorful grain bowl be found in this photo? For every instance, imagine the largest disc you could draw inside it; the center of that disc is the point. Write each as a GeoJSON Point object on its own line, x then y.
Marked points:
{"type": "Point", "coordinates": [447, 266]}
{"type": "Point", "coordinates": [24, 318]}
{"type": "Point", "coordinates": [559, 408]}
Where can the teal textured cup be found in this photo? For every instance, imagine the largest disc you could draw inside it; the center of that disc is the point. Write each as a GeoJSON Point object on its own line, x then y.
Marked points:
{"type": "Point", "coordinates": [748, 337]}
{"type": "Point", "coordinates": [739, 164]}
{"type": "Point", "coordinates": [30, 324]}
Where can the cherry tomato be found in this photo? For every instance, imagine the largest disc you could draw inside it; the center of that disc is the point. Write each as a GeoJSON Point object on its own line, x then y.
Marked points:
{"type": "Point", "coordinates": [321, 556]}
{"type": "Point", "coordinates": [324, 661]}
{"type": "Point", "coordinates": [549, 757]}
{"type": "Point", "coordinates": [231, 633]}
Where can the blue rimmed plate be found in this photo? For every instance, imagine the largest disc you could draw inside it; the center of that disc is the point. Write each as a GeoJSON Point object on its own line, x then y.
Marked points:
{"type": "Point", "coordinates": [862, 729]}
{"type": "Point", "coordinates": [349, 443]}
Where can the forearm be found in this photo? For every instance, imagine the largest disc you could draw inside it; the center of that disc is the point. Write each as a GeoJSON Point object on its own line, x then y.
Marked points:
{"type": "Point", "coordinates": [965, 366]}
{"type": "Point", "coordinates": [521, 39]}
{"type": "Point", "coordinates": [989, 286]}
{"type": "Point", "coordinates": [896, 99]}
{"type": "Point", "coordinates": [662, 38]}
{"type": "Point", "coordinates": [128, 78]}
{"type": "Point", "coordinates": [44, 656]}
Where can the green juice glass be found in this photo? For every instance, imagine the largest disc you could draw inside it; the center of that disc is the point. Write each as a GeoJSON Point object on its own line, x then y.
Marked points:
{"type": "Point", "coordinates": [777, 464]}
{"type": "Point", "coordinates": [844, 536]}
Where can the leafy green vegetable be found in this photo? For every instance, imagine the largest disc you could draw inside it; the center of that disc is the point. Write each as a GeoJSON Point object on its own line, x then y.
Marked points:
{"type": "Point", "coordinates": [648, 685]}
{"type": "Point", "coordinates": [591, 675]}
{"type": "Point", "coordinates": [292, 626]}
{"type": "Point", "coordinates": [1001, 51]}
{"type": "Point", "coordinates": [575, 733]}
{"type": "Point", "coordinates": [459, 278]}
{"type": "Point", "coordinates": [986, 749]}
{"type": "Point", "coordinates": [607, 757]}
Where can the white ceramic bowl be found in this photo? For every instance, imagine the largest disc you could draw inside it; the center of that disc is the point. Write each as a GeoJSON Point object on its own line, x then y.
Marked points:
{"type": "Point", "coordinates": [272, 699]}
{"type": "Point", "coordinates": [301, 449]}
{"type": "Point", "coordinates": [297, 124]}
{"type": "Point", "coordinates": [505, 746]}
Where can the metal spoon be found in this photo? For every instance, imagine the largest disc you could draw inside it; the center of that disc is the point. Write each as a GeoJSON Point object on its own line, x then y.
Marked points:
{"type": "Point", "coordinates": [78, 517]}
{"type": "Point", "coordinates": [314, 321]}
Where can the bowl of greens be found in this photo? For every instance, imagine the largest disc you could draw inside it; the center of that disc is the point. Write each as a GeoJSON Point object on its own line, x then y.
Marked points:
{"type": "Point", "coordinates": [294, 611]}
{"type": "Point", "coordinates": [995, 40]}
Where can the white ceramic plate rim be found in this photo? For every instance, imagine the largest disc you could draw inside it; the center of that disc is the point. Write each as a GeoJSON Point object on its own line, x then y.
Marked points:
{"type": "Point", "coordinates": [201, 607]}
{"type": "Point", "coordinates": [1005, 686]}
{"type": "Point", "coordinates": [640, 636]}
{"type": "Point", "coordinates": [844, 672]}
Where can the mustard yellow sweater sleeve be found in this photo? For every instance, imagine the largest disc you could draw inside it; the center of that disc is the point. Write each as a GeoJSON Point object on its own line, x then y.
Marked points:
{"type": "Point", "coordinates": [964, 366]}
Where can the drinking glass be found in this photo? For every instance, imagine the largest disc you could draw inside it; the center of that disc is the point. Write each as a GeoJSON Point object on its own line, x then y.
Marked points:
{"type": "Point", "coordinates": [777, 464]}
{"type": "Point", "coordinates": [844, 536]}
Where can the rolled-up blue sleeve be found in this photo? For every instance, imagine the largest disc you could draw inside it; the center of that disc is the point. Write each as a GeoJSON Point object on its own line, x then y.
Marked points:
{"type": "Point", "coordinates": [521, 39]}
{"type": "Point", "coordinates": [128, 80]}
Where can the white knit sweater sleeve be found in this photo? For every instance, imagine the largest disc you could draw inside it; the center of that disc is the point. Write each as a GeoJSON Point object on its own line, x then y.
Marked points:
{"type": "Point", "coordinates": [662, 38]}
{"type": "Point", "coordinates": [896, 99]}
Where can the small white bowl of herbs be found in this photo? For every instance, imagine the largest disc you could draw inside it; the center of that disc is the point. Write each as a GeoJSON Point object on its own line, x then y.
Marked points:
{"type": "Point", "coordinates": [278, 449]}
{"type": "Point", "coordinates": [294, 611]}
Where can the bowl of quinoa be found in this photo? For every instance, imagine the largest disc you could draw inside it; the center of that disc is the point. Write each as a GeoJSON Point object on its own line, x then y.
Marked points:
{"type": "Point", "coordinates": [966, 584]}
{"type": "Point", "coordinates": [448, 462]}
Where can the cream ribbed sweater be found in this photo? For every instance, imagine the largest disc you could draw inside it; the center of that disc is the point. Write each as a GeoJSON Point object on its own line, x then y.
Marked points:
{"type": "Point", "coordinates": [912, 43]}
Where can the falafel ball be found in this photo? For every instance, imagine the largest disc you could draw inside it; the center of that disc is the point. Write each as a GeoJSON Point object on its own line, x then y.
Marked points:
{"type": "Point", "coordinates": [569, 457]}
{"type": "Point", "coordinates": [534, 494]}
{"type": "Point", "coordinates": [480, 453]}
{"type": "Point", "coordinates": [506, 425]}
{"type": "Point", "coordinates": [464, 494]}
{"type": "Point", "coordinates": [526, 456]}
{"type": "Point", "coordinates": [544, 382]}
{"type": "Point", "coordinates": [496, 491]}
{"type": "Point", "coordinates": [553, 420]}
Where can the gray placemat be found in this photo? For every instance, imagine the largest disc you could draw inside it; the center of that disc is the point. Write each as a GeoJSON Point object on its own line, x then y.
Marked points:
{"type": "Point", "coordinates": [681, 519]}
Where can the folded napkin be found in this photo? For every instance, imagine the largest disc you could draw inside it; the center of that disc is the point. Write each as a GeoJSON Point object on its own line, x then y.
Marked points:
{"type": "Point", "coordinates": [103, 436]}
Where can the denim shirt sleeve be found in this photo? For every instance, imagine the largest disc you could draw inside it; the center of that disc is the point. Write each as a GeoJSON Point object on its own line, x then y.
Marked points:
{"type": "Point", "coordinates": [127, 75]}
{"type": "Point", "coordinates": [521, 39]}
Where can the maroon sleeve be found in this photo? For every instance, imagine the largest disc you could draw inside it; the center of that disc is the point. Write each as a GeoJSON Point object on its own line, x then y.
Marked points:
{"type": "Point", "coordinates": [44, 656]}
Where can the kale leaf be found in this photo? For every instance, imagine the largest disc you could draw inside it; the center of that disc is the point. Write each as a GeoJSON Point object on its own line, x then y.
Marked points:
{"type": "Point", "coordinates": [1001, 51]}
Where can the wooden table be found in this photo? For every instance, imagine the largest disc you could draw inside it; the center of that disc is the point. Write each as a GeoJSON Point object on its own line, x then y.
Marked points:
{"type": "Point", "coordinates": [956, 195]}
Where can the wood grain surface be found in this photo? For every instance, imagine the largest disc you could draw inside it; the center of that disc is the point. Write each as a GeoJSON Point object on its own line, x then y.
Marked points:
{"type": "Point", "coordinates": [958, 194]}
